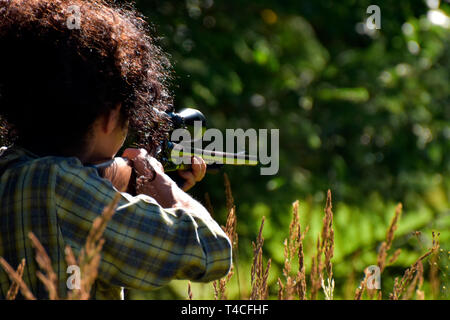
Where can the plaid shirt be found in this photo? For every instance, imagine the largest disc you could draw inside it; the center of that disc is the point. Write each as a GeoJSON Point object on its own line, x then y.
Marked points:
{"type": "Point", "coordinates": [145, 247]}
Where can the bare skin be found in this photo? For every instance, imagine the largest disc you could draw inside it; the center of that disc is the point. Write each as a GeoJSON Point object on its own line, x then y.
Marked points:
{"type": "Point", "coordinates": [108, 136]}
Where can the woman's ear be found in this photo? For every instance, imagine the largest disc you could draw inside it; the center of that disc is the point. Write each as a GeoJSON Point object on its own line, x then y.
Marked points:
{"type": "Point", "coordinates": [111, 121]}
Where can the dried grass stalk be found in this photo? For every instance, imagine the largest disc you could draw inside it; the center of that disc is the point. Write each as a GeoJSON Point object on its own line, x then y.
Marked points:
{"type": "Point", "coordinates": [14, 289]}
{"type": "Point", "coordinates": [416, 267]}
{"type": "Point", "coordinates": [328, 236]}
{"type": "Point", "coordinates": [190, 295]}
{"type": "Point", "coordinates": [88, 261]}
{"type": "Point", "coordinates": [434, 277]}
{"type": "Point", "coordinates": [386, 245]}
{"type": "Point", "coordinates": [325, 246]}
{"type": "Point", "coordinates": [328, 288]}
{"type": "Point", "coordinates": [314, 275]}
{"type": "Point", "coordinates": [230, 230]}
{"type": "Point", "coordinates": [420, 295]}
{"type": "Point", "coordinates": [89, 257]}
{"type": "Point", "coordinates": [216, 289]}
{"type": "Point", "coordinates": [394, 256]}
{"type": "Point", "coordinates": [15, 277]}
{"type": "Point", "coordinates": [259, 274]}
{"type": "Point", "coordinates": [228, 192]}
{"type": "Point", "coordinates": [293, 247]}
{"type": "Point", "coordinates": [280, 289]}
{"type": "Point", "coordinates": [411, 289]}
{"type": "Point", "coordinates": [49, 279]}
{"type": "Point", "coordinates": [359, 291]}
{"type": "Point", "coordinates": [301, 274]}
{"type": "Point", "coordinates": [220, 286]}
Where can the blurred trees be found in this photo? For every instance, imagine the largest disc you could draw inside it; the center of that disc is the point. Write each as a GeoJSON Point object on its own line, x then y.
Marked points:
{"type": "Point", "coordinates": [363, 112]}
{"type": "Point", "coordinates": [360, 111]}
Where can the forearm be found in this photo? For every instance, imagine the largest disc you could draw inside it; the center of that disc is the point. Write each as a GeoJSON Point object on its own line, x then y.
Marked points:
{"type": "Point", "coordinates": [167, 193]}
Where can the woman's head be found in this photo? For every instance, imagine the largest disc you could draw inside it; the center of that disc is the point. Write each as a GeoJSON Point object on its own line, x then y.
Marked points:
{"type": "Point", "coordinates": [56, 80]}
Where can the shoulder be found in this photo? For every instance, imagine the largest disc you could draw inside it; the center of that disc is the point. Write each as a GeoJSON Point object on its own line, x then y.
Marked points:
{"type": "Point", "coordinates": [18, 158]}
{"type": "Point", "coordinates": [62, 172]}
{"type": "Point", "coordinates": [62, 167]}
{"type": "Point", "coordinates": [70, 171]}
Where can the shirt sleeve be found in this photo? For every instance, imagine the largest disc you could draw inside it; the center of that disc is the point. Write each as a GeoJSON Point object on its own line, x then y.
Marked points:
{"type": "Point", "coordinates": [146, 246]}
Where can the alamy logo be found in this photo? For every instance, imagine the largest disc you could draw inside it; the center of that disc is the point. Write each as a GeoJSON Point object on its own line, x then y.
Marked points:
{"type": "Point", "coordinates": [220, 147]}
{"type": "Point", "coordinates": [373, 21]}
{"type": "Point", "coordinates": [74, 19]}
{"type": "Point", "coordinates": [74, 280]}
{"type": "Point", "coordinates": [373, 276]}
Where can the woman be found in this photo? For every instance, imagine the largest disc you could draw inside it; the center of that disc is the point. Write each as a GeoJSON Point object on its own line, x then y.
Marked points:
{"type": "Point", "coordinates": [68, 97]}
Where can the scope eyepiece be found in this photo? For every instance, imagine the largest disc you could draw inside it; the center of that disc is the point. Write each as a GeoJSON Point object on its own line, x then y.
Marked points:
{"type": "Point", "coordinates": [187, 117]}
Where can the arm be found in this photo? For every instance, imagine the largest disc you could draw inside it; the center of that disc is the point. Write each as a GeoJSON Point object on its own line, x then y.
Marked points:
{"type": "Point", "coordinates": [146, 245]}
{"type": "Point", "coordinates": [120, 171]}
{"type": "Point", "coordinates": [161, 187]}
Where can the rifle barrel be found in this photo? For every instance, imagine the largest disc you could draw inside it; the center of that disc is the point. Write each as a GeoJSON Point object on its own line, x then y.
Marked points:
{"type": "Point", "coordinates": [211, 157]}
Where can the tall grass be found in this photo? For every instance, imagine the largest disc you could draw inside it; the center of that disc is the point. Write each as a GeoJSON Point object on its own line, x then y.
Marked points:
{"type": "Point", "coordinates": [294, 283]}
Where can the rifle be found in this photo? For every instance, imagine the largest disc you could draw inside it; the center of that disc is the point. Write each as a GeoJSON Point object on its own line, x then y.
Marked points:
{"type": "Point", "coordinates": [171, 155]}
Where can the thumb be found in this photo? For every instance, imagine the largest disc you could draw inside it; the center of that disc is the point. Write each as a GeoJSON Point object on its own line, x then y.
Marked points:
{"type": "Point", "coordinates": [132, 153]}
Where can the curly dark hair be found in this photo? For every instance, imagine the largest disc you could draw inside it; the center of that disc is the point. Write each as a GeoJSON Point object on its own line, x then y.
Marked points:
{"type": "Point", "coordinates": [55, 80]}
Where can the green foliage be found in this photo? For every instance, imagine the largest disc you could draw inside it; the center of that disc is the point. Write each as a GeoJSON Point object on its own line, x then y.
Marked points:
{"type": "Point", "coordinates": [366, 114]}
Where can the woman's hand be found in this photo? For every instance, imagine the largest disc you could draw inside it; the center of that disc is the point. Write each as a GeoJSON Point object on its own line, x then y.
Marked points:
{"type": "Point", "coordinates": [195, 174]}
{"type": "Point", "coordinates": [151, 179]}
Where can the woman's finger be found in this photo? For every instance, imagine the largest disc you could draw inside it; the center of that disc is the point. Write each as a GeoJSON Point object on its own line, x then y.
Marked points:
{"type": "Point", "coordinates": [144, 164]}
{"type": "Point", "coordinates": [137, 157]}
{"type": "Point", "coordinates": [132, 153]}
{"type": "Point", "coordinates": [189, 179]}
{"type": "Point", "coordinates": [198, 168]}
{"type": "Point", "coordinates": [204, 166]}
